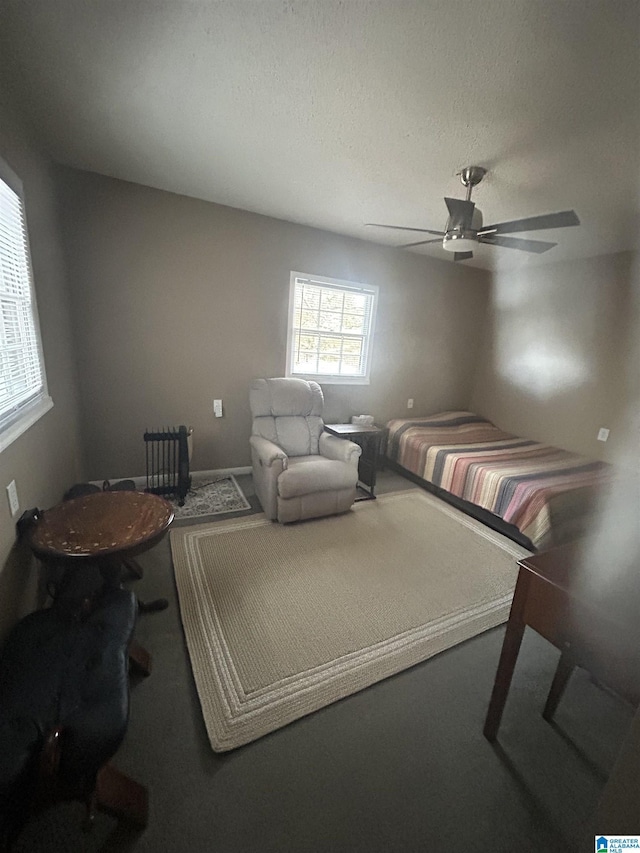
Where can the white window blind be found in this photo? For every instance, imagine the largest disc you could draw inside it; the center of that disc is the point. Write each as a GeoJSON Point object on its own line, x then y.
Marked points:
{"type": "Point", "coordinates": [330, 331]}
{"type": "Point", "coordinates": [22, 380]}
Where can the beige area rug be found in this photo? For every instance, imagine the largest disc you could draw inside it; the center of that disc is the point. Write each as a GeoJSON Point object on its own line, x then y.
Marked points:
{"type": "Point", "coordinates": [283, 620]}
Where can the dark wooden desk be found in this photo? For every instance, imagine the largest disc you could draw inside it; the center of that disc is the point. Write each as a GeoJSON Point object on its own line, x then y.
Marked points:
{"type": "Point", "coordinates": [370, 440]}
{"type": "Point", "coordinates": [594, 625]}
{"type": "Point", "coordinates": [105, 529]}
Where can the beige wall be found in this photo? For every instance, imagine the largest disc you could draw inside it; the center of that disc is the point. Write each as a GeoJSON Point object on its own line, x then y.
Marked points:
{"type": "Point", "coordinates": [557, 353]}
{"type": "Point", "coordinates": [177, 301]}
{"type": "Point", "coordinates": [45, 460]}
{"type": "Point", "coordinates": [560, 359]}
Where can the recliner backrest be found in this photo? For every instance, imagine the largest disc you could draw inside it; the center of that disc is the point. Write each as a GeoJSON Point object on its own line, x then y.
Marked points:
{"type": "Point", "coordinates": [288, 412]}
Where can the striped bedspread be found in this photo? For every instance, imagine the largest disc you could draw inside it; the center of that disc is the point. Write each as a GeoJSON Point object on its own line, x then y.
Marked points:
{"type": "Point", "coordinates": [545, 492]}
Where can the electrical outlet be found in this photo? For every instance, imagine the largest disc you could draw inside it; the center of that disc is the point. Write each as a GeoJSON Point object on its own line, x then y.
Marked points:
{"type": "Point", "coordinates": [217, 408]}
{"type": "Point", "coordinates": [603, 434]}
{"type": "Point", "coordinates": [410, 403]}
{"type": "Point", "coordinates": [12, 497]}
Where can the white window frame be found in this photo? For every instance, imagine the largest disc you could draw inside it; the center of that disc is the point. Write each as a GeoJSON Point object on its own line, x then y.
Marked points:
{"type": "Point", "coordinates": [17, 420]}
{"type": "Point", "coordinates": [344, 286]}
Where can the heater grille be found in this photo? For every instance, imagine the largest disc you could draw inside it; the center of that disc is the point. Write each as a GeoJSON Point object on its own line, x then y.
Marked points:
{"type": "Point", "coordinates": [167, 452]}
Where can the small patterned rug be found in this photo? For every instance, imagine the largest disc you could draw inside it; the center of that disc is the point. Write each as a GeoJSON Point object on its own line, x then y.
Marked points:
{"type": "Point", "coordinates": [208, 497]}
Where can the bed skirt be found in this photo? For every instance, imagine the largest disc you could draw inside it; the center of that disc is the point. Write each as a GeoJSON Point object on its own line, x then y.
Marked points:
{"type": "Point", "coordinates": [477, 512]}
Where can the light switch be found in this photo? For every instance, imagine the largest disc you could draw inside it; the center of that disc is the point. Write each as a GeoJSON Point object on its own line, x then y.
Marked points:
{"type": "Point", "coordinates": [12, 497]}
{"type": "Point", "coordinates": [217, 408]}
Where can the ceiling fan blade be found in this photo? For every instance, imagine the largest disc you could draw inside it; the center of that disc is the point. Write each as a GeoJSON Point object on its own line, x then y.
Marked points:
{"type": "Point", "coordinates": [420, 243]}
{"type": "Point", "coordinates": [460, 211]}
{"type": "Point", "coordinates": [534, 223]}
{"type": "Point", "coordinates": [462, 256]}
{"type": "Point", "coordinates": [402, 228]}
{"type": "Point", "coordinates": [537, 246]}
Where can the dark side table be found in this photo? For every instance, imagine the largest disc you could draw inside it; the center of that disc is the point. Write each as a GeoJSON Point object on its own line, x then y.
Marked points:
{"type": "Point", "coordinates": [369, 438]}
{"type": "Point", "coordinates": [105, 530]}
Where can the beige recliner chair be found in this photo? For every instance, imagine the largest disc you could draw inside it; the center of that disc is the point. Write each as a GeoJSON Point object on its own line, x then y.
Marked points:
{"type": "Point", "coordinates": [299, 471]}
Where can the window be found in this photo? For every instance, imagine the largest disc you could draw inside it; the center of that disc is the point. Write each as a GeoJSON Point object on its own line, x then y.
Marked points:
{"type": "Point", "coordinates": [23, 385]}
{"type": "Point", "coordinates": [330, 333]}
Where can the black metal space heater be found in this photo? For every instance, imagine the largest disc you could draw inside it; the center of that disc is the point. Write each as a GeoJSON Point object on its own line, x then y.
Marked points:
{"type": "Point", "coordinates": [167, 453]}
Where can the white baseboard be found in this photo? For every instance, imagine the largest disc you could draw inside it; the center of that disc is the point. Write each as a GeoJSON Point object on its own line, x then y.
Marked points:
{"type": "Point", "coordinates": [216, 473]}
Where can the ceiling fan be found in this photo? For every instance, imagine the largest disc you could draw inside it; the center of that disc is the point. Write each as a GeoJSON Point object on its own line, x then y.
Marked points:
{"type": "Point", "coordinates": [464, 228]}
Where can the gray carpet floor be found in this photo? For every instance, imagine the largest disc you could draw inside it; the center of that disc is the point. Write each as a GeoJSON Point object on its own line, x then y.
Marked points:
{"type": "Point", "coordinates": [401, 766]}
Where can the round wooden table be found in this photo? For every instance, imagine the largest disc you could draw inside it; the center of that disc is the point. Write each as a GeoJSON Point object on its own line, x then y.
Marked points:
{"type": "Point", "coordinates": [105, 529]}
{"type": "Point", "coordinates": [101, 526]}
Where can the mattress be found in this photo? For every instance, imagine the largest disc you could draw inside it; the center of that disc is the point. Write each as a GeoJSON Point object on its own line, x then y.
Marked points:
{"type": "Point", "coordinates": [545, 492]}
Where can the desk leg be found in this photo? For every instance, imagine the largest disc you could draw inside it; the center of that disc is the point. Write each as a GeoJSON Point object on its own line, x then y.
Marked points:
{"type": "Point", "coordinates": [122, 797]}
{"type": "Point", "coordinates": [560, 680]}
{"type": "Point", "coordinates": [139, 658]}
{"type": "Point", "coordinates": [134, 567]}
{"type": "Point", "coordinates": [508, 657]}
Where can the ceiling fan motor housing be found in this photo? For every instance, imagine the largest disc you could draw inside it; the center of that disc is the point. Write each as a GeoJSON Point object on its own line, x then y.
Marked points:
{"type": "Point", "coordinates": [460, 234]}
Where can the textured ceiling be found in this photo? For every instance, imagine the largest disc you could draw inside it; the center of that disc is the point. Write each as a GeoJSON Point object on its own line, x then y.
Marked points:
{"type": "Point", "coordinates": [334, 113]}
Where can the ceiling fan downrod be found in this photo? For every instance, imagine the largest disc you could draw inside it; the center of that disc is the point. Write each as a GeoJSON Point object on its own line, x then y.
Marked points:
{"type": "Point", "coordinates": [470, 177]}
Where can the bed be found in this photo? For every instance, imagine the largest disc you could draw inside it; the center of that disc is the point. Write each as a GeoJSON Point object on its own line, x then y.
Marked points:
{"type": "Point", "coordinates": [536, 494]}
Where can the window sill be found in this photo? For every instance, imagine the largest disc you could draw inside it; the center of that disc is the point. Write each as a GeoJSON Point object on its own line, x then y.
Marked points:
{"type": "Point", "coordinates": [28, 419]}
{"type": "Point", "coordinates": [331, 380]}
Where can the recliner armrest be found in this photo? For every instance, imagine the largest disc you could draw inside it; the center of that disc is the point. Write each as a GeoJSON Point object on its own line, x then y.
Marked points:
{"type": "Point", "coordinates": [340, 449]}
{"type": "Point", "coordinates": [267, 451]}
